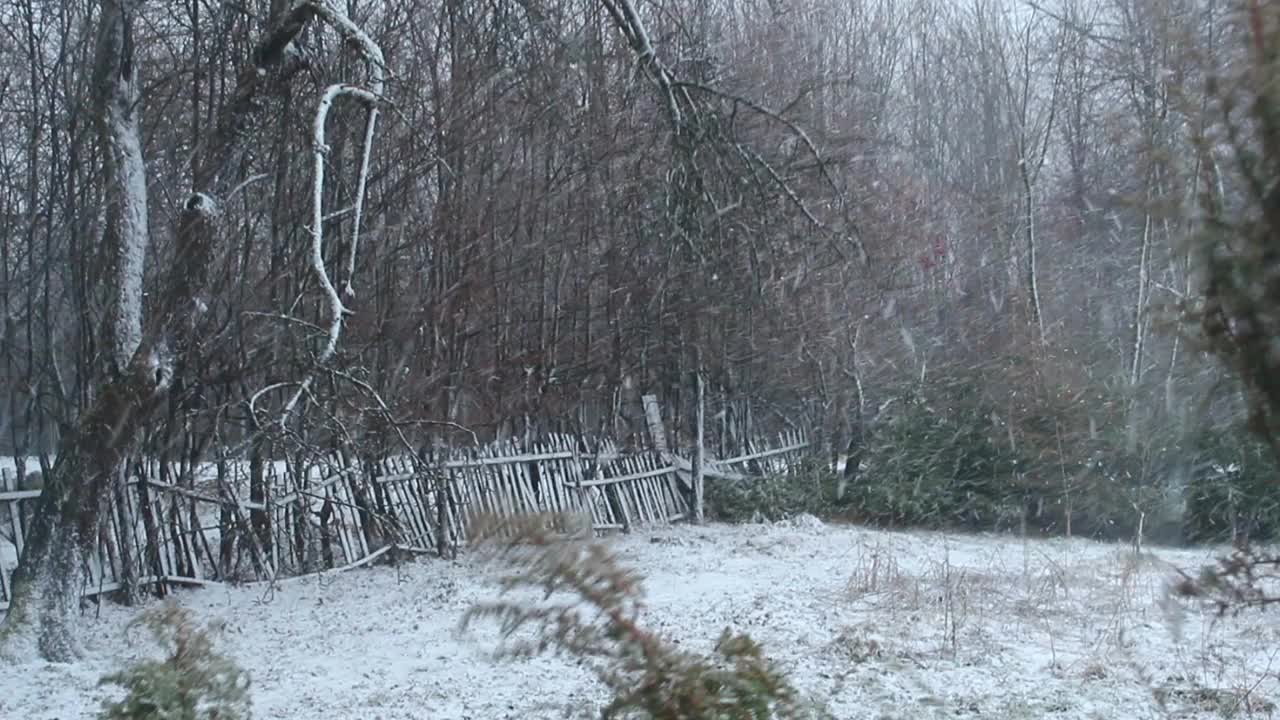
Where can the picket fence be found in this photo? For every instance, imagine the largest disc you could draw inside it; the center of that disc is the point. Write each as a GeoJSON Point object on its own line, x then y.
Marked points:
{"type": "Point", "coordinates": [205, 525]}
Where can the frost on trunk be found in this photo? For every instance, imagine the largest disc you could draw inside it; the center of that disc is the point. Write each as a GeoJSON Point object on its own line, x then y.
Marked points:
{"type": "Point", "coordinates": [51, 574]}
{"type": "Point", "coordinates": [1140, 305]}
{"type": "Point", "coordinates": [370, 98]}
{"type": "Point", "coordinates": [125, 233]}
{"type": "Point", "coordinates": [320, 150]}
{"type": "Point", "coordinates": [628, 22]}
{"type": "Point", "coordinates": [46, 587]}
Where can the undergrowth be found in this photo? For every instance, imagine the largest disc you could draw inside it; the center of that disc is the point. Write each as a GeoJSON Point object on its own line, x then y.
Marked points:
{"type": "Point", "coordinates": [191, 681]}
{"type": "Point", "coordinates": [564, 592]}
{"type": "Point", "coordinates": [808, 489]}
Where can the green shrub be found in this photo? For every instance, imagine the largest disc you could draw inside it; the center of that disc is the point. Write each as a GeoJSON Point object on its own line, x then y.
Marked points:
{"type": "Point", "coordinates": [584, 603]}
{"type": "Point", "coordinates": [191, 682]}
{"type": "Point", "coordinates": [1041, 450]}
{"type": "Point", "coordinates": [935, 465]}
{"type": "Point", "coordinates": [1230, 494]}
{"type": "Point", "coordinates": [810, 488]}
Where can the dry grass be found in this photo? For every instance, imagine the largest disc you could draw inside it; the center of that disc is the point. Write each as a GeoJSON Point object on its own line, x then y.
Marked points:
{"type": "Point", "coordinates": [876, 573]}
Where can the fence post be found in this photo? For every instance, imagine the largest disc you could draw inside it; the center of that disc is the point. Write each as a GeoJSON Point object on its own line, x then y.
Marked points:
{"type": "Point", "coordinates": [444, 483]}
{"type": "Point", "coordinates": [654, 417]}
{"type": "Point", "coordinates": [698, 452]}
{"type": "Point", "coordinates": [15, 511]}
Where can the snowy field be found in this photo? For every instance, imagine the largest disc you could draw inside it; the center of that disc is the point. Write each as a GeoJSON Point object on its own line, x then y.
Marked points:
{"type": "Point", "coordinates": [881, 625]}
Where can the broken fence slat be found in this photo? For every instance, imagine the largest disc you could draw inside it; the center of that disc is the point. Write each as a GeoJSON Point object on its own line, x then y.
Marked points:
{"type": "Point", "coordinates": [295, 495]}
{"type": "Point", "coordinates": [762, 454]}
{"type": "Point", "coordinates": [710, 468]}
{"type": "Point", "coordinates": [627, 478]}
{"type": "Point", "coordinates": [15, 495]}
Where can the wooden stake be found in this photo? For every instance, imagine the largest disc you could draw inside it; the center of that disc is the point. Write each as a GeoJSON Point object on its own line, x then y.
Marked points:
{"type": "Point", "coordinates": [698, 453]}
{"type": "Point", "coordinates": [653, 414]}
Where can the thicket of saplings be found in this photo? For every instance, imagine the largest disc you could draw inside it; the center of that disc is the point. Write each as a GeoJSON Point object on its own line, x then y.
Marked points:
{"type": "Point", "coordinates": [942, 455]}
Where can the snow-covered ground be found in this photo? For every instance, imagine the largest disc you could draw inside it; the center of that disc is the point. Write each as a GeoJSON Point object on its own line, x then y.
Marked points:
{"type": "Point", "coordinates": [880, 625]}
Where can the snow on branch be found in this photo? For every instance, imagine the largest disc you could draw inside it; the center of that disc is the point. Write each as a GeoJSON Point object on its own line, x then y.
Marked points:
{"type": "Point", "coordinates": [800, 134]}
{"type": "Point", "coordinates": [676, 94]}
{"type": "Point", "coordinates": [632, 28]}
{"type": "Point", "coordinates": [353, 33]}
{"type": "Point", "coordinates": [370, 97]}
{"type": "Point", "coordinates": [320, 150]}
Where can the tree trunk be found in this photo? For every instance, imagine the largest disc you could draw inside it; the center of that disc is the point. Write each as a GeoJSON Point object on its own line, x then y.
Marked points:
{"type": "Point", "coordinates": [52, 573]}
{"type": "Point", "coordinates": [1140, 305]}
{"type": "Point", "coordinates": [1029, 230]}
{"type": "Point", "coordinates": [50, 578]}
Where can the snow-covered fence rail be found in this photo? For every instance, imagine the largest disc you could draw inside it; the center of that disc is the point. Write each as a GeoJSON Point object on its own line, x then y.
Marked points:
{"type": "Point", "coordinates": [557, 475]}
{"type": "Point", "coordinates": [769, 459]}
{"type": "Point", "coordinates": [175, 524]}
{"type": "Point", "coordinates": [14, 506]}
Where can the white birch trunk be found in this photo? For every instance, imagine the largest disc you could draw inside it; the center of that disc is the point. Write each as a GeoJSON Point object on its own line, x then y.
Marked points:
{"type": "Point", "coordinates": [1140, 306]}
{"type": "Point", "coordinates": [1033, 274]}
{"type": "Point", "coordinates": [699, 455]}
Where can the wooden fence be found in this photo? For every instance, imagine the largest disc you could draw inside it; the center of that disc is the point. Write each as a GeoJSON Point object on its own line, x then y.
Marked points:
{"type": "Point", "coordinates": [233, 522]}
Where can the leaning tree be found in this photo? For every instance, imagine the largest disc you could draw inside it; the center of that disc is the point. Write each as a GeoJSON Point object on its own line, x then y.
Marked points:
{"type": "Point", "coordinates": [145, 342]}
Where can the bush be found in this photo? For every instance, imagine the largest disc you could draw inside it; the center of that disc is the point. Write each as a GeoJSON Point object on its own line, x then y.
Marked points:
{"type": "Point", "coordinates": [1042, 451]}
{"type": "Point", "coordinates": [590, 608]}
{"type": "Point", "coordinates": [1046, 451]}
{"type": "Point", "coordinates": [191, 682]}
{"type": "Point", "coordinates": [810, 488]}
{"type": "Point", "coordinates": [928, 464]}
{"type": "Point", "coordinates": [1230, 494]}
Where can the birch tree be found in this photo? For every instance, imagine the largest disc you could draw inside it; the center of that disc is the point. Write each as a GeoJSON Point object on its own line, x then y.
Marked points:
{"type": "Point", "coordinates": [1032, 110]}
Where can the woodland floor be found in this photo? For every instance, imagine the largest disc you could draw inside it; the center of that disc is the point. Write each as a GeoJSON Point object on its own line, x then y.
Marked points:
{"type": "Point", "coordinates": [880, 625]}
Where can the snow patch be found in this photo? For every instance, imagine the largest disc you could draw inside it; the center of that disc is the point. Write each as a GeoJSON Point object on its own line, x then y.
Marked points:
{"type": "Point", "coordinates": [803, 521]}
{"type": "Point", "coordinates": [159, 365]}
{"type": "Point", "coordinates": [894, 625]}
{"type": "Point", "coordinates": [204, 204]}
{"type": "Point", "coordinates": [134, 235]}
